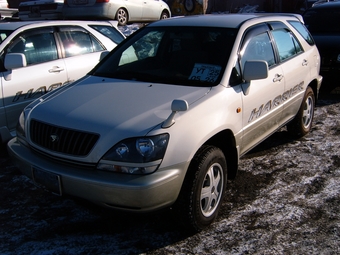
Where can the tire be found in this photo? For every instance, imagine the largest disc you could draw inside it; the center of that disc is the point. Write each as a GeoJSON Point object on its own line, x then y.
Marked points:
{"type": "Point", "coordinates": [122, 17]}
{"type": "Point", "coordinates": [203, 189]}
{"type": "Point", "coordinates": [189, 5]}
{"type": "Point", "coordinates": [164, 15]}
{"type": "Point", "coordinates": [302, 123]}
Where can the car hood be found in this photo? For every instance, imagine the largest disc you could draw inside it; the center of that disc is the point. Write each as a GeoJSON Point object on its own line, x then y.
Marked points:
{"type": "Point", "coordinates": [114, 109]}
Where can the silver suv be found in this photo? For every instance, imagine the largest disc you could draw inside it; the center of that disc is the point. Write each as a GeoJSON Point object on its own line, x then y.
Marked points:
{"type": "Point", "coordinates": [39, 56]}
{"type": "Point", "coordinates": [164, 119]}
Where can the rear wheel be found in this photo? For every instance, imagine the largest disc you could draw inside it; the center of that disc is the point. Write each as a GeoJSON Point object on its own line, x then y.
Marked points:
{"type": "Point", "coordinates": [203, 189]}
{"type": "Point", "coordinates": [122, 17]}
{"type": "Point", "coordinates": [302, 123]}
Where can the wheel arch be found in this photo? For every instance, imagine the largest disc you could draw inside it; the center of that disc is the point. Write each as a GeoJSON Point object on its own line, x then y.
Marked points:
{"type": "Point", "coordinates": [165, 11]}
{"type": "Point", "coordinates": [314, 85]}
{"type": "Point", "coordinates": [225, 140]}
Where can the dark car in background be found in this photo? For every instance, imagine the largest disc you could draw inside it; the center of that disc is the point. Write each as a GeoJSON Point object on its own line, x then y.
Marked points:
{"type": "Point", "coordinates": [323, 23]}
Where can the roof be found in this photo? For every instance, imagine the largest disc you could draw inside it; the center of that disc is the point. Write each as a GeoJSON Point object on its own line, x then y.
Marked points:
{"type": "Point", "coordinates": [219, 20]}
{"type": "Point", "coordinates": [16, 24]}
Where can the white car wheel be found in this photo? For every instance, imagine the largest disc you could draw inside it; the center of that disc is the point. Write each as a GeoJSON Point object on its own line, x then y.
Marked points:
{"type": "Point", "coordinates": [302, 123]}
{"type": "Point", "coordinates": [203, 189]}
{"type": "Point", "coordinates": [122, 17]}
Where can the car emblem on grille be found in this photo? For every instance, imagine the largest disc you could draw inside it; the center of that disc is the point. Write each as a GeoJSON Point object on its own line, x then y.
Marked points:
{"type": "Point", "coordinates": [54, 138]}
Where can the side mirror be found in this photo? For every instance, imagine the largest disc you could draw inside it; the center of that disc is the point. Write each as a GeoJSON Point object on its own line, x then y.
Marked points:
{"type": "Point", "coordinates": [177, 105]}
{"type": "Point", "coordinates": [255, 70]}
{"type": "Point", "coordinates": [15, 60]}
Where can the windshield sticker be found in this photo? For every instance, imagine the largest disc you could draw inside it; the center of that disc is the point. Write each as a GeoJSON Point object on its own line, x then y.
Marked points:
{"type": "Point", "coordinates": [205, 72]}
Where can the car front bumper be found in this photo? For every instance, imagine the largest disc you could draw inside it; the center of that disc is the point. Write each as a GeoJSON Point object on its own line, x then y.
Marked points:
{"type": "Point", "coordinates": [140, 193]}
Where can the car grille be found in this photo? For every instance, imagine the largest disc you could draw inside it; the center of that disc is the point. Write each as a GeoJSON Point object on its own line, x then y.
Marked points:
{"type": "Point", "coordinates": [67, 141]}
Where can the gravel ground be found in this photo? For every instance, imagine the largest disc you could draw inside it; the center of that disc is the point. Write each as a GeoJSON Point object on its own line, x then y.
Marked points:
{"type": "Point", "coordinates": [285, 200]}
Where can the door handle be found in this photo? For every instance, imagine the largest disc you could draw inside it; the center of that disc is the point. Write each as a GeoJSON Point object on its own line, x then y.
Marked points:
{"type": "Point", "coordinates": [305, 62]}
{"type": "Point", "coordinates": [278, 77]}
{"type": "Point", "coordinates": [56, 69]}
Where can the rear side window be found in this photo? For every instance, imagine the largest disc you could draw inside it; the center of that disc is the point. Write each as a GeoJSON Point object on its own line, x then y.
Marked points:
{"type": "Point", "coordinates": [286, 43]}
{"type": "Point", "coordinates": [303, 31]}
{"type": "Point", "coordinates": [109, 32]}
{"type": "Point", "coordinates": [78, 42]}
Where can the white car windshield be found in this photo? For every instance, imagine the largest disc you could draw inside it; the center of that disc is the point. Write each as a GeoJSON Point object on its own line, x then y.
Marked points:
{"type": "Point", "coordinates": [189, 56]}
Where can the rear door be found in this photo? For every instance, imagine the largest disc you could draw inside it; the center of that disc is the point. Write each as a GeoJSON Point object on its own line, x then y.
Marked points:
{"type": "Point", "coordinates": [81, 51]}
{"type": "Point", "coordinates": [295, 63]}
{"type": "Point", "coordinates": [135, 9]}
{"type": "Point", "coordinates": [151, 10]}
{"type": "Point", "coordinates": [44, 71]}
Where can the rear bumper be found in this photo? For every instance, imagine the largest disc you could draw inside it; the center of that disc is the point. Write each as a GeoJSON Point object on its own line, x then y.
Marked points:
{"type": "Point", "coordinates": [140, 193]}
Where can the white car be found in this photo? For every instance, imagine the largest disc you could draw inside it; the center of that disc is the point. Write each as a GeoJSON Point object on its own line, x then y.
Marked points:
{"type": "Point", "coordinates": [41, 9]}
{"type": "Point", "coordinates": [121, 10]}
{"type": "Point", "coordinates": [5, 11]}
{"type": "Point", "coordinates": [163, 120]}
{"type": "Point", "coordinates": [37, 57]}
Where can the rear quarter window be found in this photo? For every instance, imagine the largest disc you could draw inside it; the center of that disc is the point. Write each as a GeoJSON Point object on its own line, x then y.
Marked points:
{"type": "Point", "coordinates": [109, 32]}
{"type": "Point", "coordinates": [78, 43]}
{"type": "Point", "coordinates": [303, 31]}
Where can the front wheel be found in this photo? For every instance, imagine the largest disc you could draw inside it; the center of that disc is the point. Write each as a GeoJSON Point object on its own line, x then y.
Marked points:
{"type": "Point", "coordinates": [203, 189]}
{"type": "Point", "coordinates": [122, 17]}
{"type": "Point", "coordinates": [302, 123]}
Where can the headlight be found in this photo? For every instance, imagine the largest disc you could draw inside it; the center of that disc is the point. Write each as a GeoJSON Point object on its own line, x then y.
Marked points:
{"type": "Point", "coordinates": [141, 155]}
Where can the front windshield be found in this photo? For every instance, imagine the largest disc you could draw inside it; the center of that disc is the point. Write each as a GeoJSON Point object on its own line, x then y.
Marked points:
{"type": "Point", "coordinates": [189, 56]}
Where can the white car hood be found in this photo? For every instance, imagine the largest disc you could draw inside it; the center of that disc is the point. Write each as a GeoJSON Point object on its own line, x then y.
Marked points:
{"type": "Point", "coordinates": [114, 109]}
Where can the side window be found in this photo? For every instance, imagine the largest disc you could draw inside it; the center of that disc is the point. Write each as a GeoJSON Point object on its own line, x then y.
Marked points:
{"type": "Point", "coordinates": [258, 48]}
{"type": "Point", "coordinates": [286, 43]}
{"type": "Point", "coordinates": [38, 48]}
{"type": "Point", "coordinates": [78, 43]}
